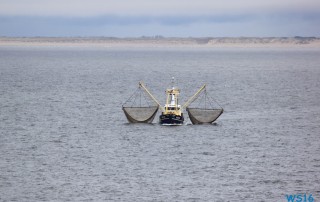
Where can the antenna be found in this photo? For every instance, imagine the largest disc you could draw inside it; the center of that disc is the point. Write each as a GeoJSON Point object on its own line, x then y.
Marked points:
{"type": "Point", "coordinates": [172, 82]}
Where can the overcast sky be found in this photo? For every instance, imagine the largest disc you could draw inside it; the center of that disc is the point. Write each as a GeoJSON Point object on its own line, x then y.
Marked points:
{"type": "Point", "coordinates": [134, 18]}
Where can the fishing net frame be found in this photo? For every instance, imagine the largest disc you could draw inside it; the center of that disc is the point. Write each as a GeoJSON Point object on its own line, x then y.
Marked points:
{"type": "Point", "coordinates": [204, 115]}
{"type": "Point", "coordinates": [139, 113]}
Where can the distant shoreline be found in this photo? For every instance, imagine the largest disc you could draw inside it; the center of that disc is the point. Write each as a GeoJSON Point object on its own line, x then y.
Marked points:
{"type": "Point", "coordinates": [242, 42]}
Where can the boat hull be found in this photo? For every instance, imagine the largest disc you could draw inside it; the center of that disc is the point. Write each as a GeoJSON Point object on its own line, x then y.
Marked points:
{"type": "Point", "coordinates": [171, 119]}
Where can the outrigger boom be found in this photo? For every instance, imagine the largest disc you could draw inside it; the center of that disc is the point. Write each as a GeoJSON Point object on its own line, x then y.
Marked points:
{"type": "Point", "coordinates": [194, 97]}
{"type": "Point", "coordinates": [151, 96]}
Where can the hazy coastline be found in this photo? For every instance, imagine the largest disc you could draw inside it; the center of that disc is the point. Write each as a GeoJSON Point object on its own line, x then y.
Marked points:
{"type": "Point", "coordinates": [158, 41]}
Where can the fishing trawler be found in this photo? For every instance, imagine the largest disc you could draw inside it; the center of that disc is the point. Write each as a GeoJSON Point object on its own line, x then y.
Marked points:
{"type": "Point", "coordinates": [139, 110]}
{"type": "Point", "coordinates": [172, 114]}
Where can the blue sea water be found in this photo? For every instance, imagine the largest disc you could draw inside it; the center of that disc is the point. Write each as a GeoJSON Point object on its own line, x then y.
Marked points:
{"type": "Point", "coordinates": [64, 137]}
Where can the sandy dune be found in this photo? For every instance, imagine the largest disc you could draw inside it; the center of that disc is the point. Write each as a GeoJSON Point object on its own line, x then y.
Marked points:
{"type": "Point", "coordinates": [244, 42]}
